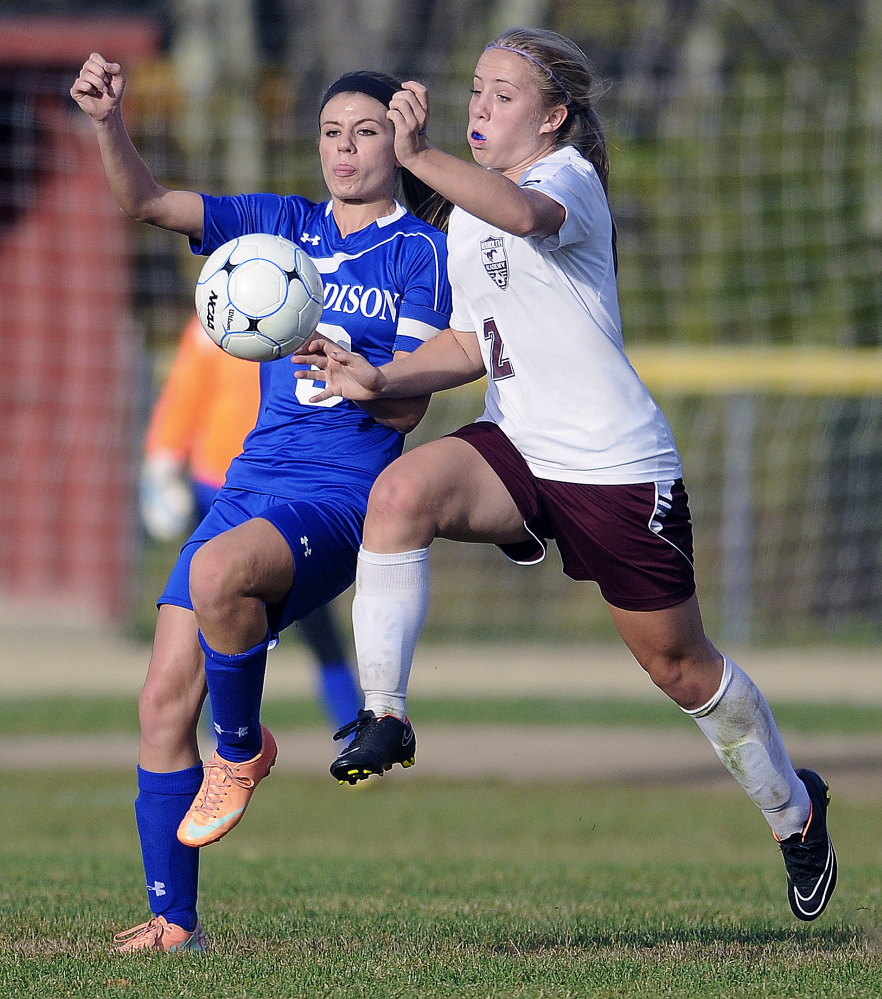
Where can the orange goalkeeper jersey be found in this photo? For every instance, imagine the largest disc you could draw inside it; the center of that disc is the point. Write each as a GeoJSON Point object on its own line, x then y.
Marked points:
{"type": "Point", "coordinates": [207, 407]}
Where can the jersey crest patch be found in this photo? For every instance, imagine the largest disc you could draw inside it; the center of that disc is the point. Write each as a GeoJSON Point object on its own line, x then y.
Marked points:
{"type": "Point", "coordinates": [494, 260]}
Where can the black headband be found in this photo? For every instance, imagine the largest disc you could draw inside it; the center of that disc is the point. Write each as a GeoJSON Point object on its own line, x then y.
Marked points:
{"type": "Point", "coordinates": [361, 83]}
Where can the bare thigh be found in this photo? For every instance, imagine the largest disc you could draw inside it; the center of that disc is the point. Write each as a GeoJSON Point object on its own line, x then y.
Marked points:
{"type": "Point", "coordinates": [441, 489]}
{"type": "Point", "coordinates": [250, 560]}
{"type": "Point", "coordinates": [172, 695]}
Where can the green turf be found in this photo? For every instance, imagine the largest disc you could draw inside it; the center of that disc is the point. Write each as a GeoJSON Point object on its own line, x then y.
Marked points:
{"type": "Point", "coordinates": [419, 888]}
{"type": "Point", "coordinates": [90, 715]}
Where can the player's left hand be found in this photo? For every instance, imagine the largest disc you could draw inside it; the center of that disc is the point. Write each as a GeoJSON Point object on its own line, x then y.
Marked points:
{"type": "Point", "coordinates": [409, 113]}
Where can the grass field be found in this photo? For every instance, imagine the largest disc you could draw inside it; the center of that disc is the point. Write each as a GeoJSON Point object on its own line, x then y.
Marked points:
{"type": "Point", "coordinates": [430, 888]}
{"type": "Point", "coordinates": [94, 715]}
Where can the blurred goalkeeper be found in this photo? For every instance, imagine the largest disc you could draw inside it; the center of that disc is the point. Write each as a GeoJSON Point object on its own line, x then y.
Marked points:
{"type": "Point", "coordinates": [208, 405]}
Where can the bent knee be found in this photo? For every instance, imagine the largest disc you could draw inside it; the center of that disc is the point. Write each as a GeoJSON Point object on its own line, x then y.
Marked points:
{"type": "Point", "coordinates": [398, 497]}
{"type": "Point", "coordinates": [214, 578]}
{"type": "Point", "coordinates": [687, 680]}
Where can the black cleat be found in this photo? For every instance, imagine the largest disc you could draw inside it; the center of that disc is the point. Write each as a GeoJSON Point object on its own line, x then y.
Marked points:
{"type": "Point", "coordinates": [379, 743]}
{"type": "Point", "coordinates": [809, 856]}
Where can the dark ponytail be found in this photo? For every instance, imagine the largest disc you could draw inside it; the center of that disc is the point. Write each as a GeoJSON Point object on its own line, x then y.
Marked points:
{"type": "Point", "coordinates": [424, 201]}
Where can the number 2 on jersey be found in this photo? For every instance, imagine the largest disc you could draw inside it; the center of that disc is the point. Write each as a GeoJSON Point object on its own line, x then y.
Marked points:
{"type": "Point", "coordinates": [500, 365]}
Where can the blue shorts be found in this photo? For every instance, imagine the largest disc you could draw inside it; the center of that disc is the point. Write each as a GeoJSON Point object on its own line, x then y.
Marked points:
{"type": "Point", "coordinates": [323, 538]}
{"type": "Point", "coordinates": [203, 495]}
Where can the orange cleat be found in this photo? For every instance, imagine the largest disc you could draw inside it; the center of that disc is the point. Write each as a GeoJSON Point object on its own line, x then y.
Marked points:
{"type": "Point", "coordinates": [158, 934]}
{"type": "Point", "coordinates": [226, 790]}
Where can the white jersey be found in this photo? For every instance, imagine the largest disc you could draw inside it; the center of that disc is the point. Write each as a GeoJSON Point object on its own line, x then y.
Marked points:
{"type": "Point", "coordinates": [543, 305]}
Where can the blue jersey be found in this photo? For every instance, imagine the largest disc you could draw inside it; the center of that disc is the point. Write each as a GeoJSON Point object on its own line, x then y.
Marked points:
{"type": "Point", "coordinates": [386, 289]}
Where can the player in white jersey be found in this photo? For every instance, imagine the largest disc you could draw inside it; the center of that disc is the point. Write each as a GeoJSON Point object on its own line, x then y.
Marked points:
{"type": "Point", "coordinates": [281, 537]}
{"type": "Point", "coordinates": [570, 445]}
{"type": "Point", "coordinates": [598, 423]}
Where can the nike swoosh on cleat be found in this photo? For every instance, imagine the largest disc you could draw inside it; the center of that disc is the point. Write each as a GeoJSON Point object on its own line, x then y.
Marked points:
{"type": "Point", "coordinates": [187, 945]}
{"type": "Point", "coordinates": [407, 737]}
{"type": "Point", "coordinates": [821, 885]}
{"type": "Point", "coordinates": [195, 831]}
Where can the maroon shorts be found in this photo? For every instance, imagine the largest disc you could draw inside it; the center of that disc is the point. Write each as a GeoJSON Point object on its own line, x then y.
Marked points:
{"type": "Point", "coordinates": [634, 541]}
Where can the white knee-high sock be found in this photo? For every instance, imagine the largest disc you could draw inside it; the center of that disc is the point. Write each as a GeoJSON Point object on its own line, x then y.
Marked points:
{"type": "Point", "coordinates": [739, 725]}
{"type": "Point", "coordinates": [388, 612]}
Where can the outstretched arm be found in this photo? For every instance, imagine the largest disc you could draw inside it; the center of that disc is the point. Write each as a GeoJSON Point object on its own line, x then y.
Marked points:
{"type": "Point", "coordinates": [486, 194]}
{"type": "Point", "coordinates": [98, 90]}
{"type": "Point", "coordinates": [449, 359]}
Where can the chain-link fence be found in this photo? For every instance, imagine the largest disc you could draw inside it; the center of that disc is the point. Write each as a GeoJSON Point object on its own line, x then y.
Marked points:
{"type": "Point", "coordinates": [749, 213]}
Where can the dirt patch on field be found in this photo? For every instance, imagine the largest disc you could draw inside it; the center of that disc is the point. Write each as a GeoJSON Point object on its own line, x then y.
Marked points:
{"type": "Point", "coordinates": [511, 753]}
{"type": "Point", "coordinates": [72, 656]}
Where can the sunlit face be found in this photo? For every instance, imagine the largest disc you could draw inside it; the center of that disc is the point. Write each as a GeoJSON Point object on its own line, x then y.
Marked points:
{"type": "Point", "coordinates": [509, 126]}
{"type": "Point", "coordinates": [356, 149]}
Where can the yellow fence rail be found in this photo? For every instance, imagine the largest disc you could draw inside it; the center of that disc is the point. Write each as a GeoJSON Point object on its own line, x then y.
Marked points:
{"type": "Point", "coordinates": [776, 370]}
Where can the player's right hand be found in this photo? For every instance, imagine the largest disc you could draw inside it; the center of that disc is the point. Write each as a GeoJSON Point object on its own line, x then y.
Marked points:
{"type": "Point", "coordinates": [99, 87]}
{"type": "Point", "coordinates": [344, 373]}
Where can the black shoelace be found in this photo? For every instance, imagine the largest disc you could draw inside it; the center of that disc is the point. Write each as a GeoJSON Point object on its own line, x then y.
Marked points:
{"type": "Point", "coordinates": [363, 719]}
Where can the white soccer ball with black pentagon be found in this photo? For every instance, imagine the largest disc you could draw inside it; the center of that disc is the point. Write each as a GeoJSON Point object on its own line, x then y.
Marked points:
{"type": "Point", "coordinates": [259, 297]}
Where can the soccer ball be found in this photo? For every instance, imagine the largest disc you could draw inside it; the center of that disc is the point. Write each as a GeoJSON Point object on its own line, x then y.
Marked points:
{"type": "Point", "coordinates": [259, 297]}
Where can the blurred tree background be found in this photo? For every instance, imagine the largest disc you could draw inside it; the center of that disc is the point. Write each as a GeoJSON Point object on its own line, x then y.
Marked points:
{"type": "Point", "coordinates": [746, 181]}
{"type": "Point", "coordinates": [745, 137]}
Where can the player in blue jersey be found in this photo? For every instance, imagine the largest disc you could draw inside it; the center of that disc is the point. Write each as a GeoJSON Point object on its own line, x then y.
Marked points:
{"type": "Point", "coordinates": [282, 537]}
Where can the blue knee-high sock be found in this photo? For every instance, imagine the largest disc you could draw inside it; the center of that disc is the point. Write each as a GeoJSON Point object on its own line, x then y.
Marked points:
{"type": "Point", "coordinates": [235, 690]}
{"type": "Point", "coordinates": [172, 869]}
{"type": "Point", "coordinates": [340, 694]}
